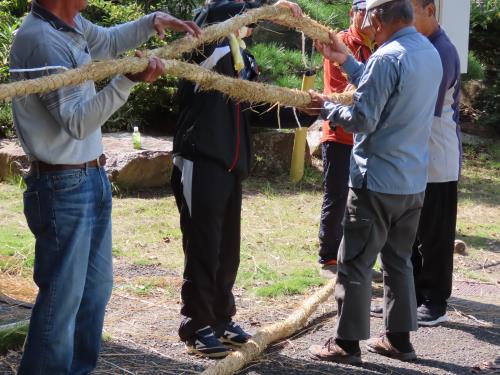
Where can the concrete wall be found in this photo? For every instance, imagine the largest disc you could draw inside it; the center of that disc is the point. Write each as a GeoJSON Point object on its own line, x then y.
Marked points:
{"type": "Point", "coordinates": [454, 17]}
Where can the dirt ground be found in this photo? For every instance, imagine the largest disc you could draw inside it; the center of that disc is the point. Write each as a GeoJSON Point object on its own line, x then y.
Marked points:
{"type": "Point", "coordinates": [140, 334]}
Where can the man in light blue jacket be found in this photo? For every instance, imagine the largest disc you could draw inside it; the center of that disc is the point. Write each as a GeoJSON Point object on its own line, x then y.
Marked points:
{"type": "Point", "coordinates": [392, 118]}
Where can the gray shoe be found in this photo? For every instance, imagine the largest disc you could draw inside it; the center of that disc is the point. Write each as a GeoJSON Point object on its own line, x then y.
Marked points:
{"type": "Point", "coordinates": [377, 311]}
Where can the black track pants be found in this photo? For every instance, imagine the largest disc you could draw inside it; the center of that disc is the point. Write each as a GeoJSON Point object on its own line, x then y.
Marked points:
{"type": "Point", "coordinates": [434, 244]}
{"type": "Point", "coordinates": [336, 159]}
{"type": "Point", "coordinates": [210, 225]}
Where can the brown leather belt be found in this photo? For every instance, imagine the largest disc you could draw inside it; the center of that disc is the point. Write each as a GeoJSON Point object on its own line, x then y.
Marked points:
{"type": "Point", "coordinates": [44, 167]}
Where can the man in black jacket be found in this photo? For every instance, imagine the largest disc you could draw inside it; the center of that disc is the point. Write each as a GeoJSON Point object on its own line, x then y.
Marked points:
{"type": "Point", "coordinates": [211, 158]}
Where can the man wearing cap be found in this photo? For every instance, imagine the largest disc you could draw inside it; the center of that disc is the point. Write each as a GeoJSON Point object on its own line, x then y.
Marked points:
{"type": "Point", "coordinates": [337, 143]}
{"type": "Point", "coordinates": [211, 159]}
{"type": "Point", "coordinates": [434, 245]}
{"type": "Point", "coordinates": [67, 202]}
{"type": "Point", "coordinates": [392, 118]}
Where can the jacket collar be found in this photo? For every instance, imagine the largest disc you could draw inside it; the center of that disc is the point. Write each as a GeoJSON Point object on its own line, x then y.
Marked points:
{"type": "Point", "coordinates": [436, 34]}
{"type": "Point", "coordinates": [38, 11]}
{"type": "Point", "coordinates": [402, 32]}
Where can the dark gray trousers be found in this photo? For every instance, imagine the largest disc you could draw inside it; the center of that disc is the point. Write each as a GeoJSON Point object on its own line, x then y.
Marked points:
{"type": "Point", "coordinates": [377, 223]}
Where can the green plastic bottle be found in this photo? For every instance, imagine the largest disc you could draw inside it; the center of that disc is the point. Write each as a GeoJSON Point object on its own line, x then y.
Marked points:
{"type": "Point", "coordinates": [136, 138]}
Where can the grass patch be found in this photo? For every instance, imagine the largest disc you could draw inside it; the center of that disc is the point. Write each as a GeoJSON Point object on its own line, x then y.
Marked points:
{"type": "Point", "coordinates": [12, 336]}
{"type": "Point", "coordinates": [149, 286]}
{"type": "Point", "coordinates": [279, 230]}
{"type": "Point", "coordinates": [287, 285]}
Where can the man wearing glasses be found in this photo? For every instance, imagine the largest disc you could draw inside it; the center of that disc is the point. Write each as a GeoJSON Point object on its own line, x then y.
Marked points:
{"type": "Point", "coordinates": [337, 143]}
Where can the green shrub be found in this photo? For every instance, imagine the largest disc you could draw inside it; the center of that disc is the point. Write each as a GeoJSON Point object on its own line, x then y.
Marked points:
{"type": "Point", "coordinates": [332, 13]}
{"type": "Point", "coordinates": [6, 122]}
{"type": "Point", "coordinates": [149, 106]}
{"type": "Point", "coordinates": [16, 8]}
{"type": "Point", "coordinates": [476, 69]}
{"type": "Point", "coordinates": [284, 67]}
{"type": "Point", "coordinates": [485, 28]}
{"type": "Point", "coordinates": [106, 13]}
{"type": "Point", "coordinates": [181, 9]}
{"type": "Point", "coordinates": [8, 25]}
{"type": "Point", "coordinates": [484, 13]}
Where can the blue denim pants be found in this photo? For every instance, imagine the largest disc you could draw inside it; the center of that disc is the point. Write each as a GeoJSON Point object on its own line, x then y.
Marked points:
{"type": "Point", "coordinates": [69, 212]}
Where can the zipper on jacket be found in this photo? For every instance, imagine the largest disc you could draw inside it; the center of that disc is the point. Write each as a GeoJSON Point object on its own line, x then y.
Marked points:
{"type": "Point", "coordinates": [237, 153]}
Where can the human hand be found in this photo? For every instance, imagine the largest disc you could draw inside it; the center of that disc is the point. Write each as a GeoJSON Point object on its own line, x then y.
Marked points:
{"type": "Point", "coordinates": [295, 8]}
{"type": "Point", "coordinates": [350, 87]}
{"type": "Point", "coordinates": [151, 73]}
{"type": "Point", "coordinates": [164, 21]}
{"type": "Point", "coordinates": [317, 102]}
{"type": "Point", "coordinates": [335, 51]}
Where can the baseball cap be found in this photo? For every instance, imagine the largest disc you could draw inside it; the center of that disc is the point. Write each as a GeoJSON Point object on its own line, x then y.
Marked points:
{"type": "Point", "coordinates": [359, 4]}
{"type": "Point", "coordinates": [370, 5]}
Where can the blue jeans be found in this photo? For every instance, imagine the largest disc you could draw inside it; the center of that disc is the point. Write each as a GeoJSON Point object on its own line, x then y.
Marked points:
{"type": "Point", "coordinates": [69, 212]}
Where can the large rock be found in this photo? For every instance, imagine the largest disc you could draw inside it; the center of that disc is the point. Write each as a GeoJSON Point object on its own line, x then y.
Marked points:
{"type": "Point", "coordinates": [126, 167]}
{"type": "Point", "coordinates": [12, 159]}
{"type": "Point", "coordinates": [149, 167]}
{"type": "Point", "coordinates": [152, 165]}
{"type": "Point", "coordinates": [273, 152]}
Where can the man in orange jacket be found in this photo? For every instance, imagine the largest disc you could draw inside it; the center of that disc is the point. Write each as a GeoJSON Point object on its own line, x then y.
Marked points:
{"type": "Point", "coordinates": [337, 143]}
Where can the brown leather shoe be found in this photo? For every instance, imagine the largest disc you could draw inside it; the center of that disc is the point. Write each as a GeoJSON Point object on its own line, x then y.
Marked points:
{"type": "Point", "coordinates": [334, 353]}
{"type": "Point", "coordinates": [382, 346]}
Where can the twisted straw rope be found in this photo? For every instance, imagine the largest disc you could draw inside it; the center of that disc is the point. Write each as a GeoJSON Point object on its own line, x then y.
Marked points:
{"type": "Point", "coordinates": [271, 333]}
{"type": "Point", "coordinates": [208, 80]}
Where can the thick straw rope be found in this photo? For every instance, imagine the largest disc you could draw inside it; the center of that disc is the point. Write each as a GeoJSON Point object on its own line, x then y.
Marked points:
{"type": "Point", "coordinates": [269, 334]}
{"type": "Point", "coordinates": [208, 80]}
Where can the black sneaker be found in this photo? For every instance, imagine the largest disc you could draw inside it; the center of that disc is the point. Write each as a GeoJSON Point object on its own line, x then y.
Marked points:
{"type": "Point", "coordinates": [233, 334]}
{"type": "Point", "coordinates": [205, 344]}
{"type": "Point", "coordinates": [377, 311]}
{"type": "Point", "coordinates": [431, 315]}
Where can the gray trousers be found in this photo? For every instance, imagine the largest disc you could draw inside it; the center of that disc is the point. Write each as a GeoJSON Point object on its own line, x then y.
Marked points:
{"type": "Point", "coordinates": [377, 223]}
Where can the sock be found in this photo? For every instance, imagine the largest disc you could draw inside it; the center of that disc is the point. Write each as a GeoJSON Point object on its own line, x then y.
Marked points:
{"type": "Point", "coordinates": [350, 346]}
{"type": "Point", "coordinates": [400, 340]}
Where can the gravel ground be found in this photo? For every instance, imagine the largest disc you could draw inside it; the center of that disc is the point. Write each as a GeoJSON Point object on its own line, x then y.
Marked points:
{"type": "Point", "coordinates": [141, 337]}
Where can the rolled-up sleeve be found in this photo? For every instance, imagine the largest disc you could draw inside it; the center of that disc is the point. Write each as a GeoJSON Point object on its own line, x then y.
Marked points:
{"type": "Point", "coordinates": [376, 83]}
{"type": "Point", "coordinates": [75, 112]}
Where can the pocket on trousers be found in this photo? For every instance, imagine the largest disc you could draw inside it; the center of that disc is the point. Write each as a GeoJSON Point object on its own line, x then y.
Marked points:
{"type": "Point", "coordinates": [357, 233]}
{"type": "Point", "coordinates": [68, 181]}
{"type": "Point", "coordinates": [32, 212]}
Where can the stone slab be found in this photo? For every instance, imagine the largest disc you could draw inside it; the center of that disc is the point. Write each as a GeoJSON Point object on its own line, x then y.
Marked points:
{"type": "Point", "coordinates": [152, 165]}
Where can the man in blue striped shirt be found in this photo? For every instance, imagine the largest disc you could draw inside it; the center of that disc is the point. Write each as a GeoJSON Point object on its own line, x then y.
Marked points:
{"type": "Point", "coordinates": [67, 203]}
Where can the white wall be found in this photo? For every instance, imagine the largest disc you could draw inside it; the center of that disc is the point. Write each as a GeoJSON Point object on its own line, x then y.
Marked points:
{"type": "Point", "coordinates": [454, 17]}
